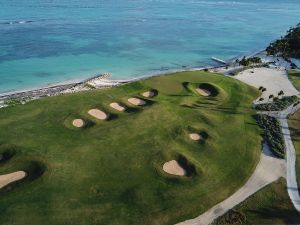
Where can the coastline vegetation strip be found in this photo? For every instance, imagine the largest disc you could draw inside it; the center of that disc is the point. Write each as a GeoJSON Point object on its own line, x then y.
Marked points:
{"type": "Point", "coordinates": [272, 133]}
{"type": "Point", "coordinates": [271, 205]}
{"type": "Point", "coordinates": [112, 172]}
{"type": "Point", "coordinates": [288, 46]}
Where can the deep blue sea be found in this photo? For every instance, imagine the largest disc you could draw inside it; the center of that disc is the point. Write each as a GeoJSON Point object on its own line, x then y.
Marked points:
{"type": "Point", "coordinates": [43, 42]}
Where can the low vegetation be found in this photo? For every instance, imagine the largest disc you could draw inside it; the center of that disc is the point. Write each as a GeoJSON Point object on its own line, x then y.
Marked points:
{"type": "Point", "coordinates": [272, 134]}
{"type": "Point", "coordinates": [278, 104]}
{"type": "Point", "coordinates": [110, 172]}
{"type": "Point", "coordinates": [271, 205]}
{"type": "Point", "coordinates": [249, 61]}
{"type": "Point", "coordinates": [287, 46]}
{"type": "Point", "coordinates": [294, 76]}
{"type": "Point", "coordinates": [294, 125]}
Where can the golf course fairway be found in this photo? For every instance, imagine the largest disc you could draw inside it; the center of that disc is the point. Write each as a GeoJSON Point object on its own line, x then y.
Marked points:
{"type": "Point", "coordinates": [110, 170]}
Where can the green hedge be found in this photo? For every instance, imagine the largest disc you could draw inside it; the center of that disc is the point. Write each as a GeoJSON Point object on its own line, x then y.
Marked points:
{"type": "Point", "coordinates": [272, 134]}
{"type": "Point", "coordinates": [278, 104]}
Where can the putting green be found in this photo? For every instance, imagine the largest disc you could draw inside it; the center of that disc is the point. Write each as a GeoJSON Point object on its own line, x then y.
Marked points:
{"type": "Point", "coordinates": [111, 172]}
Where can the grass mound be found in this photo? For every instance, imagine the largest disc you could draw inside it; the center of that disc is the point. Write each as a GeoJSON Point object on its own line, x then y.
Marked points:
{"type": "Point", "coordinates": [111, 172]}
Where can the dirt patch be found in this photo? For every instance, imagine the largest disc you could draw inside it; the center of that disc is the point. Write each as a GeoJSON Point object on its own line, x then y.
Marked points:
{"type": "Point", "coordinates": [172, 167]}
{"type": "Point", "coordinates": [203, 92]}
{"type": "Point", "coordinates": [136, 101]}
{"type": "Point", "coordinates": [195, 137]}
{"type": "Point", "coordinates": [11, 177]}
{"type": "Point", "coordinates": [117, 106]}
{"type": "Point", "coordinates": [98, 114]}
{"type": "Point", "coordinates": [78, 123]}
{"type": "Point", "coordinates": [148, 94]}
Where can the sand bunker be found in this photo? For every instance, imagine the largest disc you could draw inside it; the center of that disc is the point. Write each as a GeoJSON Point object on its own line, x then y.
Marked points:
{"type": "Point", "coordinates": [98, 114]}
{"type": "Point", "coordinates": [203, 92]}
{"type": "Point", "coordinates": [148, 94]}
{"type": "Point", "coordinates": [78, 123]}
{"type": "Point", "coordinates": [11, 177]}
{"type": "Point", "coordinates": [136, 101]}
{"type": "Point", "coordinates": [195, 137]}
{"type": "Point", "coordinates": [172, 167]}
{"type": "Point", "coordinates": [117, 107]}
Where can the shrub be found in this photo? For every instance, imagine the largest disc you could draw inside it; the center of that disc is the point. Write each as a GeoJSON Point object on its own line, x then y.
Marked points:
{"type": "Point", "coordinates": [278, 104]}
{"type": "Point", "coordinates": [272, 134]}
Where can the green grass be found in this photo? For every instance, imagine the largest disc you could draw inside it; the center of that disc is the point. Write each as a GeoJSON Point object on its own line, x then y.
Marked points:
{"type": "Point", "coordinates": [294, 125]}
{"type": "Point", "coordinates": [110, 172]}
{"type": "Point", "coordinates": [294, 76]}
{"type": "Point", "coordinates": [271, 205]}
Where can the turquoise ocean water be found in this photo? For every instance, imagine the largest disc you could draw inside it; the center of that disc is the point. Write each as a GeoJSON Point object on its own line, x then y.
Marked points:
{"type": "Point", "coordinates": [43, 42]}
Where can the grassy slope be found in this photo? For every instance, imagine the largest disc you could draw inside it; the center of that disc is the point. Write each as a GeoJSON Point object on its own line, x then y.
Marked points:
{"type": "Point", "coordinates": [294, 76]}
{"type": "Point", "coordinates": [271, 205]}
{"type": "Point", "coordinates": [294, 124]}
{"type": "Point", "coordinates": [110, 172]}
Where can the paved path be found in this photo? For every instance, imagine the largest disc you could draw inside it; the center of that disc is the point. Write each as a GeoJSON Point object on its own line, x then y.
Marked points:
{"type": "Point", "coordinates": [268, 170]}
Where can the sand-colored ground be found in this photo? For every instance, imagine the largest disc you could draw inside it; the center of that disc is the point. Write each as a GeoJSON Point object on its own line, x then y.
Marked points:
{"type": "Point", "coordinates": [148, 94]}
{"type": "Point", "coordinates": [136, 101]}
{"type": "Point", "coordinates": [11, 177]}
{"type": "Point", "coordinates": [274, 80]}
{"type": "Point", "coordinates": [203, 92]}
{"type": "Point", "coordinates": [78, 123]}
{"type": "Point", "coordinates": [117, 106]}
{"type": "Point", "coordinates": [172, 167]}
{"type": "Point", "coordinates": [195, 137]}
{"type": "Point", "coordinates": [98, 114]}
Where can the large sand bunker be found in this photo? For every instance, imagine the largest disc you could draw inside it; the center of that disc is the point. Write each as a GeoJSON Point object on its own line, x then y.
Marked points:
{"type": "Point", "coordinates": [11, 177]}
{"type": "Point", "coordinates": [195, 137]}
{"type": "Point", "coordinates": [136, 101]}
{"type": "Point", "coordinates": [117, 107]}
{"type": "Point", "coordinates": [172, 167]}
{"type": "Point", "coordinates": [203, 92]}
{"type": "Point", "coordinates": [98, 114]}
{"type": "Point", "coordinates": [78, 123]}
{"type": "Point", "coordinates": [148, 94]}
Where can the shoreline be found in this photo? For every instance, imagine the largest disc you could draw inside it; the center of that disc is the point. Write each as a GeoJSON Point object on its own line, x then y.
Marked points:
{"type": "Point", "coordinates": [101, 81]}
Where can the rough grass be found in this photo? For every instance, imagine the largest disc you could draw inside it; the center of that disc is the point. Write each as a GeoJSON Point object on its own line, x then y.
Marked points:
{"type": "Point", "coordinates": [110, 172]}
{"type": "Point", "coordinates": [294, 76]}
{"type": "Point", "coordinates": [294, 125]}
{"type": "Point", "coordinates": [271, 205]}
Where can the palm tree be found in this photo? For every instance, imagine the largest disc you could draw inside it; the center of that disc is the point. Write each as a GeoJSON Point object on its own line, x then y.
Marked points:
{"type": "Point", "coordinates": [270, 97]}
{"type": "Point", "coordinates": [280, 93]}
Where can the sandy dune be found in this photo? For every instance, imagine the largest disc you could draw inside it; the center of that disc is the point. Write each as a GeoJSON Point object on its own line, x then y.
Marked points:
{"type": "Point", "coordinates": [272, 79]}
{"type": "Point", "coordinates": [148, 94]}
{"type": "Point", "coordinates": [203, 92]}
{"type": "Point", "coordinates": [172, 167]}
{"type": "Point", "coordinates": [78, 123]}
{"type": "Point", "coordinates": [195, 137]}
{"type": "Point", "coordinates": [117, 106]}
{"type": "Point", "coordinates": [136, 101]}
{"type": "Point", "coordinates": [11, 177]}
{"type": "Point", "coordinates": [98, 114]}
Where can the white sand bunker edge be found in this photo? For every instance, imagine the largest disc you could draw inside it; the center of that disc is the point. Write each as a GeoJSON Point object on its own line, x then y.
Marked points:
{"type": "Point", "coordinates": [117, 106]}
{"type": "Point", "coordinates": [172, 167]}
{"type": "Point", "coordinates": [136, 101]}
{"type": "Point", "coordinates": [195, 136]}
{"type": "Point", "coordinates": [148, 94]}
{"type": "Point", "coordinates": [6, 179]}
{"type": "Point", "coordinates": [98, 114]}
{"type": "Point", "coordinates": [203, 92]}
{"type": "Point", "coordinates": [78, 123]}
